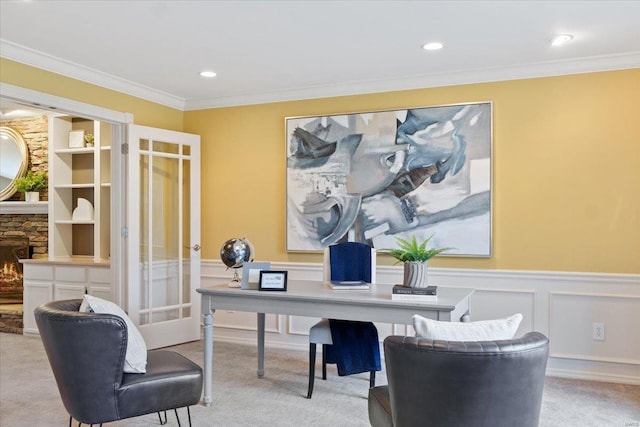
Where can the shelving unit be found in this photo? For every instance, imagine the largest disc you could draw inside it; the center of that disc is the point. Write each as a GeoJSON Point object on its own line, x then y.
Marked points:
{"type": "Point", "coordinates": [82, 172]}
{"type": "Point", "coordinates": [79, 249]}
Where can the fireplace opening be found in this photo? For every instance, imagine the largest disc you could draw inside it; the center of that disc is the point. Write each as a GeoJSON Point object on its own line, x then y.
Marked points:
{"type": "Point", "coordinates": [12, 250]}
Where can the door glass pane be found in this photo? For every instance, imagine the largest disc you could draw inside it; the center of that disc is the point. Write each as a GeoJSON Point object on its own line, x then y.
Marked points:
{"type": "Point", "coordinates": [186, 232]}
{"type": "Point", "coordinates": [164, 315]}
{"type": "Point", "coordinates": [166, 147]}
{"type": "Point", "coordinates": [166, 251]}
{"type": "Point", "coordinates": [144, 236]}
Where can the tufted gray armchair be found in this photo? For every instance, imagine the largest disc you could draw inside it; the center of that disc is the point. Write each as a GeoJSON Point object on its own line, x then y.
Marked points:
{"type": "Point", "coordinates": [452, 384]}
{"type": "Point", "coordinates": [86, 352]}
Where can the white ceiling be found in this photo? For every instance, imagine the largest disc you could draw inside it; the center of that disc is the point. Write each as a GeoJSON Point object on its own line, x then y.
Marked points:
{"type": "Point", "coordinates": [266, 51]}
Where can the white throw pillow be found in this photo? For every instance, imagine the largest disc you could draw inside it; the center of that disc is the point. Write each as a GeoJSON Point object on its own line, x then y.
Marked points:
{"type": "Point", "coordinates": [135, 360]}
{"type": "Point", "coordinates": [483, 330]}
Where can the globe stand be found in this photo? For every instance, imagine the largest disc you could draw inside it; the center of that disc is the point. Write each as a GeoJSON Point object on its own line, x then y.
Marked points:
{"type": "Point", "coordinates": [234, 253]}
{"type": "Point", "coordinates": [235, 280]}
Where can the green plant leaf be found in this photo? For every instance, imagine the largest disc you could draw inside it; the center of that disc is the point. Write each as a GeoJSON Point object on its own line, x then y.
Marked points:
{"type": "Point", "coordinates": [31, 182]}
{"type": "Point", "coordinates": [411, 250]}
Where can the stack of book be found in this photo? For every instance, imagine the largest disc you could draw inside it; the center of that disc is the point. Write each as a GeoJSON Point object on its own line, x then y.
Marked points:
{"type": "Point", "coordinates": [406, 293]}
{"type": "Point", "coordinates": [349, 284]}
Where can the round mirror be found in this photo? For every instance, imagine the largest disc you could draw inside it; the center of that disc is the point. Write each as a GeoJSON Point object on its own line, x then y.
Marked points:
{"type": "Point", "coordinates": [14, 159]}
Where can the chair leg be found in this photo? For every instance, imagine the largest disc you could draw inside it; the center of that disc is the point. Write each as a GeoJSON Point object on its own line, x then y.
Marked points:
{"type": "Point", "coordinates": [324, 361]}
{"type": "Point", "coordinates": [178, 418]}
{"type": "Point", "coordinates": [165, 418]}
{"type": "Point", "coordinates": [372, 379]}
{"type": "Point", "coordinates": [79, 424]}
{"type": "Point", "coordinates": [312, 368]}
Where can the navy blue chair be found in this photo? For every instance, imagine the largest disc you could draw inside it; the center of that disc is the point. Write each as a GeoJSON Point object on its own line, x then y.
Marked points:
{"type": "Point", "coordinates": [348, 261]}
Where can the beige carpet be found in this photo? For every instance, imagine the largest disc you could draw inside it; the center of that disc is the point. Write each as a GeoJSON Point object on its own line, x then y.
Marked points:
{"type": "Point", "coordinates": [29, 396]}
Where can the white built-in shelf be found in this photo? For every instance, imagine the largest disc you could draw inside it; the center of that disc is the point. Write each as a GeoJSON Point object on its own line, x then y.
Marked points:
{"type": "Point", "coordinates": [74, 221]}
{"type": "Point", "coordinates": [88, 185]}
{"type": "Point", "coordinates": [72, 260]}
{"type": "Point", "coordinates": [79, 173]}
{"type": "Point", "coordinates": [88, 150]}
{"type": "Point", "coordinates": [24, 207]}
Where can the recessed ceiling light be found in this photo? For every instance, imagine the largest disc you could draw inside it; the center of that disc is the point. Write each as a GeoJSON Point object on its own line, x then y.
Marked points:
{"type": "Point", "coordinates": [208, 74]}
{"type": "Point", "coordinates": [560, 39]}
{"type": "Point", "coordinates": [432, 46]}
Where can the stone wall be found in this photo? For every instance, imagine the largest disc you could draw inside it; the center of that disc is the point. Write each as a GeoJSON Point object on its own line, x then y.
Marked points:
{"type": "Point", "coordinates": [10, 320]}
{"type": "Point", "coordinates": [33, 226]}
{"type": "Point", "coordinates": [35, 132]}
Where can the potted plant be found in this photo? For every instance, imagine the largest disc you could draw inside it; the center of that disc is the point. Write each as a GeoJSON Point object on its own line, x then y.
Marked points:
{"type": "Point", "coordinates": [88, 139]}
{"type": "Point", "coordinates": [415, 257]}
{"type": "Point", "coordinates": [31, 184]}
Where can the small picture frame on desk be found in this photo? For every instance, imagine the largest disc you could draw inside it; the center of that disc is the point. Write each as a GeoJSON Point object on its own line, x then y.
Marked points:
{"type": "Point", "coordinates": [76, 139]}
{"type": "Point", "coordinates": [273, 281]}
{"type": "Point", "coordinates": [251, 274]}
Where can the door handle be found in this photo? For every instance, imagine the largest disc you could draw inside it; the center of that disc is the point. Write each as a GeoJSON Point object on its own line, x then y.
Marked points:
{"type": "Point", "coordinates": [196, 247]}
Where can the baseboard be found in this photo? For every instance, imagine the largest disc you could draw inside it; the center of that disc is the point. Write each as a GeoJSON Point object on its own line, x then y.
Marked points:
{"type": "Point", "coordinates": [593, 376]}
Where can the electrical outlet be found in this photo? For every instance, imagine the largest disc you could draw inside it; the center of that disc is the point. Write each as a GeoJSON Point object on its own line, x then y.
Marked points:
{"type": "Point", "coordinates": [598, 331]}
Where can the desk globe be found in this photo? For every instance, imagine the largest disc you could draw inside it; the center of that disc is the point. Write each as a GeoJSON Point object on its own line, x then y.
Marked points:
{"type": "Point", "coordinates": [234, 253]}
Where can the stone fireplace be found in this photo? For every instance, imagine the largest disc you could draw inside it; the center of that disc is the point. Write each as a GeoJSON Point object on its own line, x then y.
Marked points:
{"type": "Point", "coordinates": [11, 252]}
{"type": "Point", "coordinates": [22, 234]}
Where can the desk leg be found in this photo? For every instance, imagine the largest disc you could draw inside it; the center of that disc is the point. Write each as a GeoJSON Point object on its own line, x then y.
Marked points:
{"type": "Point", "coordinates": [260, 345]}
{"type": "Point", "coordinates": [208, 357]}
{"type": "Point", "coordinates": [466, 317]}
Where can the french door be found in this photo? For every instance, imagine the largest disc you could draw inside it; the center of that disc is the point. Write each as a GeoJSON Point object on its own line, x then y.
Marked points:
{"type": "Point", "coordinates": [163, 226]}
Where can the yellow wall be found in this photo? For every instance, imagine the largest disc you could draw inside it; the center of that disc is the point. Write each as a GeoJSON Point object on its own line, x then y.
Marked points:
{"type": "Point", "coordinates": [566, 164]}
{"type": "Point", "coordinates": [566, 170]}
{"type": "Point", "coordinates": [145, 113]}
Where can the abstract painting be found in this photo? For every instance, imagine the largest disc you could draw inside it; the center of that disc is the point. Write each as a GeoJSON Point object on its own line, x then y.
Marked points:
{"type": "Point", "coordinates": [370, 177]}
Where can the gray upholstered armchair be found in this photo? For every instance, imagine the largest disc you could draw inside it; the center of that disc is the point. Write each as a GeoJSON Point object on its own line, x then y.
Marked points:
{"type": "Point", "coordinates": [87, 353]}
{"type": "Point", "coordinates": [446, 383]}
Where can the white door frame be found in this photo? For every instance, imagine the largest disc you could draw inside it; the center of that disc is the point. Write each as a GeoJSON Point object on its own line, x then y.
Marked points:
{"type": "Point", "coordinates": [120, 120]}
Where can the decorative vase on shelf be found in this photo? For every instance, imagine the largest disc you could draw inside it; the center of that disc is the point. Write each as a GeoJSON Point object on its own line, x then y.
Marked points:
{"type": "Point", "coordinates": [415, 274]}
{"type": "Point", "coordinates": [88, 140]}
{"type": "Point", "coordinates": [84, 211]}
{"type": "Point", "coordinates": [31, 196]}
{"type": "Point", "coordinates": [31, 184]}
{"type": "Point", "coordinates": [415, 255]}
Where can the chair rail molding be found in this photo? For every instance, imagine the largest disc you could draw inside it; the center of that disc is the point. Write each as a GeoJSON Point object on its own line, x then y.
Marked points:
{"type": "Point", "coordinates": [561, 305]}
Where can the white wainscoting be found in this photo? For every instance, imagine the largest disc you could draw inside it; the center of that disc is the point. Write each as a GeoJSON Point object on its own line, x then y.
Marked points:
{"type": "Point", "coordinates": [561, 305]}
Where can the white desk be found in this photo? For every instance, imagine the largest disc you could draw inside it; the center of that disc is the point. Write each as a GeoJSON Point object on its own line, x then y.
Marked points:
{"type": "Point", "coordinates": [316, 299]}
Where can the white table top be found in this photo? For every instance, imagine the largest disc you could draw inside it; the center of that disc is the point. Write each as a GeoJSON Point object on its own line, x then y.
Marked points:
{"type": "Point", "coordinates": [317, 299]}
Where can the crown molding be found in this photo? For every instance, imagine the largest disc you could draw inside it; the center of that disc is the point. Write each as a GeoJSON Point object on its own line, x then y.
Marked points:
{"type": "Point", "coordinates": [56, 65]}
{"type": "Point", "coordinates": [486, 75]}
{"type": "Point", "coordinates": [18, 53]}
